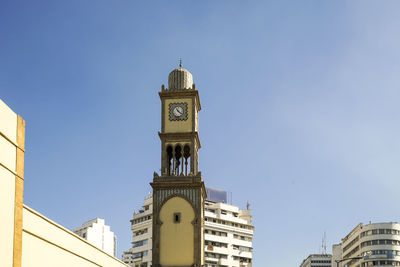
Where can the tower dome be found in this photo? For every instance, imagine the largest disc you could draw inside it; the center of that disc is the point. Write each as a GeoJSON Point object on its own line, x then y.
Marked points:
{"type": "Point", "coordinates": [180, 79]}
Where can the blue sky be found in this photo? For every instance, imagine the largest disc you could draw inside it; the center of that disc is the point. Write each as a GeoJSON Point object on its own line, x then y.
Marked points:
{"type": "Point", "coordinates": [300, 109]}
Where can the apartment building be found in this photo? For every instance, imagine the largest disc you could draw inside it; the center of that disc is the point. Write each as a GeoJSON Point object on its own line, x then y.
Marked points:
{"type": "Point", "coordinates": [377, 244]}
{"type": "Point", "coordinates": [97, 233]}
{"type": "Point", "coordinates": [317, 260]}
{"type": "Point", "coordinates": [139, 255]}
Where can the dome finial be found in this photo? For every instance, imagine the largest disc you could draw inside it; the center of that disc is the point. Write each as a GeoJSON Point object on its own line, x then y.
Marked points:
{"type": "Point", "coordinates": [180, 79]}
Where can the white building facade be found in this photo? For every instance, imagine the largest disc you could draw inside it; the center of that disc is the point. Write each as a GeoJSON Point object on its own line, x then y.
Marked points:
{"type": "Point", "coordinates": [142, 228]}
{"type": "Point", "coordinates": [377, 243]}
{"type": "Point", "coordinates": [228, 236]}
{"type": "Point", "coordinates": [98, 234]}
{"type": "Point", "coordinates": [317, 260]}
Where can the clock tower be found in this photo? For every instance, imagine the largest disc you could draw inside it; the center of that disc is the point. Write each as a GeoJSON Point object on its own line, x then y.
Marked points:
{"type": "Point", "coordinates": [179, 192]}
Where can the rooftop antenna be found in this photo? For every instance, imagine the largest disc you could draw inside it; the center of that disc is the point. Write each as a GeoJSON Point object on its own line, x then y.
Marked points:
{"type": "Point", "coordinates": [324, 244]}
{"type": "Point", "coordinates": [180, 62]}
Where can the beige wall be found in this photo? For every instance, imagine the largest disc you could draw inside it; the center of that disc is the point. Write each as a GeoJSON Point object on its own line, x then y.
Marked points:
{"type": "Point", "coordinates": [47, 244]}
{"type": "Point", "coordinates": [8, 122]}
{"type": "Point", "coordinates": [10, 194]}
{"type": "Point", "coordinates": [7, 193]}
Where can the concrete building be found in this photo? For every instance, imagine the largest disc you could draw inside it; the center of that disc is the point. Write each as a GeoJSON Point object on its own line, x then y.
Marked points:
{"type": "Point", "coordinates": [317, 260]}
{"type": "Point", "coordinates": [142, 228]}
{"type": "Point", "coordinates": [377, 243]}
{"type": "Point", "coordinates": [28, 238]}
{"type": "Point", "coordinates": [12, 150]}
{"type": "Point", "coordinates": [228, 234]}
{"type": "Point", "coordinates": [336, 254]}
{"type": "Point", "coordinates": [98, 234]}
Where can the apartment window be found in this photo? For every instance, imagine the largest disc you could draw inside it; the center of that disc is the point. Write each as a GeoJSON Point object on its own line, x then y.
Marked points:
{"type": "Point", "coordinates": [216, 244]}
{"type": "Point", "coordinates": [142, 219]}
{"type": "Point", "coordinates": [215, 255]}
{"type": "Point", "coordinates": [245, 249]}
{"type": "Point", "coordinates": [136, 255]}
{"type": "Point", "coordinates": [380, 242]}
{"type": "Point", "coordinates": [217, 233]}
{"type": "Point", "coordinates": [241, 259]}
{"type": "Point", "coordinates": [350, 244]}
{"type": "Point", "coordinates": [139, 254]}
{"type": "Point", "coordinates": [243, 226]}
{"type": "Point", "coordinates": [380, 231]}
{"type": "Point", "coordinates": [140, 232]}
{"type": "Point", "coordinates": [245, 238]}
{"type": "Point", "coordinates": [139, 243]}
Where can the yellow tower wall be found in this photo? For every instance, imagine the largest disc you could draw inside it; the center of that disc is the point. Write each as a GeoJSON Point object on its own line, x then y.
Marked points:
{"type": "Point", "coordinates": [178, 126]}
{"type": "Point", "coordinates": [177, 239]}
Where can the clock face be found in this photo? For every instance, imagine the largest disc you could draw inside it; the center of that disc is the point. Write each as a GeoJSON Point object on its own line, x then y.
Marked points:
{"type": "Point", "coordinates": [178, 111]}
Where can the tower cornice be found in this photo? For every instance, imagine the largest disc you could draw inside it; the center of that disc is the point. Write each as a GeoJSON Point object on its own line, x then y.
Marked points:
{"type": "Point", "coordinates": [171, 94]}
{"type": "Point", "coordinates": [180, 136]}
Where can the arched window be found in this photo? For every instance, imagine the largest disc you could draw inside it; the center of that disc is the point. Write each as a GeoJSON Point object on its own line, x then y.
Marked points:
{"type": "Point", "coordinates": [169, 160]}
{"type": "Point", "coordinates": [178, 156]}
{"type": "Point", "coordinates": [186, 155]}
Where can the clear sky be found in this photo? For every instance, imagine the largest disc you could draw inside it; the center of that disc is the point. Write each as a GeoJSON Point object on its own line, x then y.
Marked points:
{"type": "Point", "coordinates": [300, 109]}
